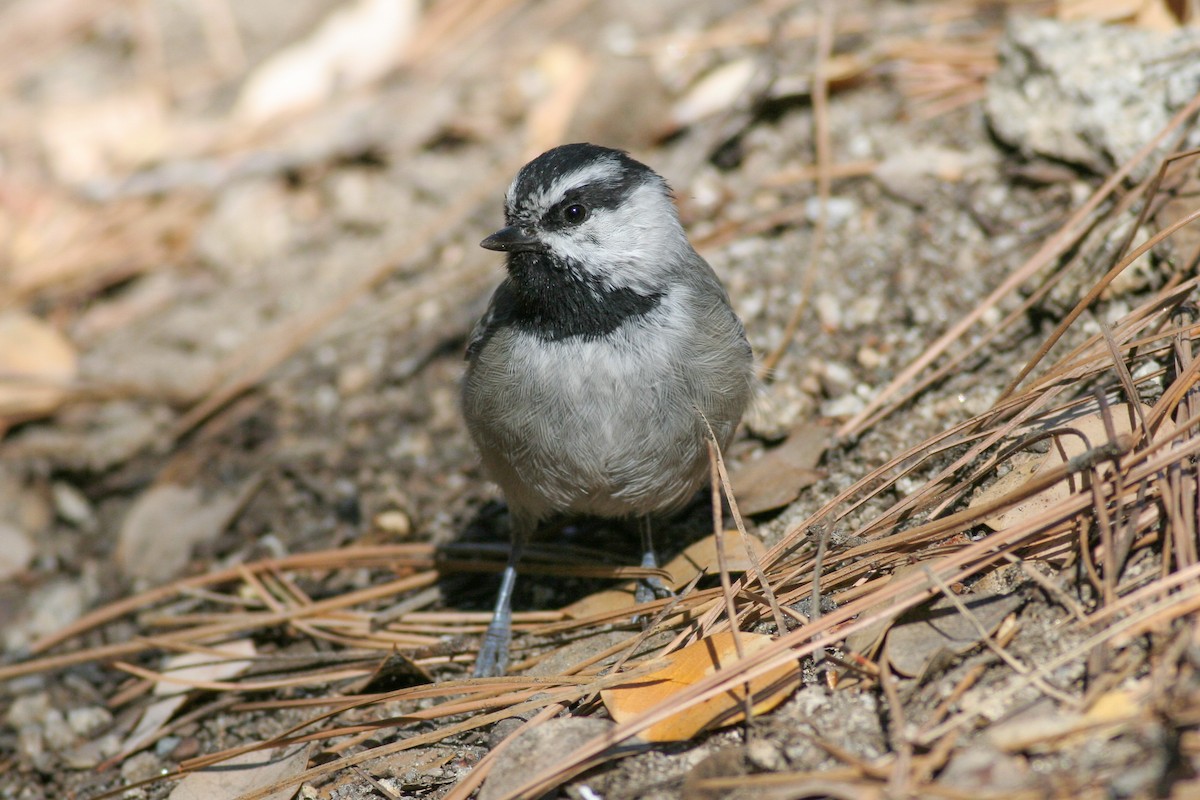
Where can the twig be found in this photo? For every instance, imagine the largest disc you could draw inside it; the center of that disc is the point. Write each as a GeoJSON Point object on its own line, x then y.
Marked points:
{"type": "Point", "coordinates": [820, 103]}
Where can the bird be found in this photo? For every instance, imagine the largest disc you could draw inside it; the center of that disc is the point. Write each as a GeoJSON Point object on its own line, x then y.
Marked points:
{"type": "Point", "coordinates": [606, 360]}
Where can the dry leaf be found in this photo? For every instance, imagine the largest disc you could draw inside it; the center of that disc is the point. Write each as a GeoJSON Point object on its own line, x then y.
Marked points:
{"type": "Point", "coordinates": [778, 476]}
{"type": "Point", "coordinates": [867, 641]}
{"type": "Point", "coordinates": [164, 525]}
{"type": "Point", "coordinates": [37, 364]}
{"type": "Point", "coordinates": [687, 667]}
{"type": "Point", "coordinates": [1155, 15]}
{"type": "Point", "coordinates": [1046, 727]}
{"type": "Point", "coordinates": [602, 602]}
{"type": "Point", "coordinates": [1026, 466]}
{"type": "Point", "coordinates": [715, 92]}
{"type": "Point", "coordinates": [243, 774]}
{"type": "Point", "coordinates": [935, 633]}
{"type": "Point", "coordinates": [701, 556]}
{"type": "Point", "coordinates": [355, 45]}
{"type": "Point", "coordinates": [98, 138]}
{"type": "Point", "coordinates": [186, 670]}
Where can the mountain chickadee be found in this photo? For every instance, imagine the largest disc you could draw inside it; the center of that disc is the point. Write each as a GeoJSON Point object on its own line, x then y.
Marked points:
{"type": "Point", "coordinates": [601, 356]}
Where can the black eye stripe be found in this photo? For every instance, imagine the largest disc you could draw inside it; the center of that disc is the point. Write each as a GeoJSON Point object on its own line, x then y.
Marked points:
{"type": "Point", "coordinates": [591, 198]}
{"type": "Point", "coordinates": [608, 195]}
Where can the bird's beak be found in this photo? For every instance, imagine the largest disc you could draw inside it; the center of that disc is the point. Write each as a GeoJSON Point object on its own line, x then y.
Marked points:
{"type": "Point", "coordinates": [513, 239]}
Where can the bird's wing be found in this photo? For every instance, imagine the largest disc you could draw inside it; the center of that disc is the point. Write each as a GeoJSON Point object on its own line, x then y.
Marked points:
{"type": "Point", "coordinates": [497, 314]}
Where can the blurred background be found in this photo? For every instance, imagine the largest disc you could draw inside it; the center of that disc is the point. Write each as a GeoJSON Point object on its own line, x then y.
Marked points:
{"type": "Point", "coordinates": [238, 247]}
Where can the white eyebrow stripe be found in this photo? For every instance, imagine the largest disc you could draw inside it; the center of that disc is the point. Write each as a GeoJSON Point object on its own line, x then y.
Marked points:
{"type": "Point", "coordinates": [543, 199]}
{"type": "Point", "coordinates": [597, 171]}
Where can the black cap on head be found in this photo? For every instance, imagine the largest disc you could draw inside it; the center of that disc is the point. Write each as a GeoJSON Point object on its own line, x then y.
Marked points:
{"type": "Point", "coordinates": [540, 175]}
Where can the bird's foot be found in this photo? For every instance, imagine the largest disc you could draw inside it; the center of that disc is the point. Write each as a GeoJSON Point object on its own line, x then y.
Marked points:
{"type": "Point", "coordinates": [492, 661]}
{"type": "Point", "coordinates": [649, 589]}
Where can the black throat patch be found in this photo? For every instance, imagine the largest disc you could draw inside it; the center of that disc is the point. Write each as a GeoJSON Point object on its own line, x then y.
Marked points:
{"type": "Point", "coordinates": [553, 302]}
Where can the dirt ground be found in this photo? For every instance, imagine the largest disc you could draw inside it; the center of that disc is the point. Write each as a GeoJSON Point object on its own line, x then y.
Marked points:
{"type": "Point", "coordinates": [254, 229]}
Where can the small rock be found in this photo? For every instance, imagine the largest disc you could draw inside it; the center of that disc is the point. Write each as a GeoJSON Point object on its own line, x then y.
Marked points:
{"type": "Point", "coordinates": [56, 730]}
{"type": "Point", "coordinates": [864, 311]}
{"type": "Point", "coordinates": [165, 746]}
{"type": "Point", "coordinates": [982, 767]}
{"type": "Point", "coordinates": [836, 378]}
{"type": "Point", "coordinates": [187, 747]}
{"type": "Point", "coordinates": [845, 406]}
{"type": "Point", "coordinates": [917, 174]}
{"type": "Point", "coordinates": [49, 608]}
{"type": "Point", "coordinates": [358, 201]}
{"type": "Point", "coordinates": [86, 721]}
{"type": "Point", "coordinates": [837, 210]}
{"type": "Point", "coordinates": [325, 400]}
{"type": "Point", "coordinates": [765, 756]}
{"type": "Point", "coordinates": [88, 753]}
{"type": "Point", "coordinates": [395, 523]}
{"type": "Point", "coordinates": [71, 505]}
{"type": "Point", "coordinates": [140, 767]}
{"type": "Point", "coordinates": [504, 729]}
{"type": "Point", "coordinates": [1089, 93]}
{"type": "Point", "coordinates": [32, 747]}
{"type": "Point", "coordinates": [829, 311]}
{"type": "Point", "coordinates": [249, 227]}
{"type": "Point", "coordinates": [16, 551]}
{"type": "Point", "coordinates": [28, 709]}
{"type": "Point", "coordinates": [353, 378]}
{"type": "Point", "coordinates": [868, 357]}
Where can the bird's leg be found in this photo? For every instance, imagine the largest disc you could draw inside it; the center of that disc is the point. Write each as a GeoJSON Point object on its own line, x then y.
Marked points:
{"type": "Point", "coordinates": [649, 588]}
{"type": "Point", "coordinates": [493, 653]}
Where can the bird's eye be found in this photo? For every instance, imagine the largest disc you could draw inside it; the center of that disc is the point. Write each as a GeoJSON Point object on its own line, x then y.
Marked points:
{"type": "Point", "coordinates": [575, 214]}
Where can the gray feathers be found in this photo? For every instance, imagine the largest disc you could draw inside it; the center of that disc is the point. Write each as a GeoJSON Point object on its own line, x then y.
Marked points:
{"type": "Point", "coordinates": [603, 352]}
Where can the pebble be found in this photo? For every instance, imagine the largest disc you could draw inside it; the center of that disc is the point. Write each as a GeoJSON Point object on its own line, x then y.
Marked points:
{"type": "Point", "coordinates": [56, 730]}
{"type": "Point", "coordinates": [829, 311]}
{"type": "Point", "coordinates": [250, 226]}
{"type": "Point", "coordinates": [28, 709]}
{"type": "Point", "coordinates": [836, 378]}
{"type": "Point", "coordinates": [72, 506]}
{"type": "Point", "coordinates": [864, 312]}
{"type": "Point", "coordinates": [88, 720]}
{"type": "Point", "coordinates": [51, 608]}
{"type": "Point", "coordinates": [165, 746]}
{"type": "Point", "coordinates": [869, 357]}
{"type": "Point", "coordinates": [838, 209]}
{"type": "Point", "coordinates": [765, 756]}
{"type": "Point", "coordinates": [845, 406]}
{"type": "Point", "coordinates": [32, 747]}
{"type": "Point", "coordinates": [353, 378]}
{"type": "Point", "coordinates": [394, 523]}
{"type": "Point", "coordinates": [141, 766]}
{"type": "Point", "coordinates": [16, 551]}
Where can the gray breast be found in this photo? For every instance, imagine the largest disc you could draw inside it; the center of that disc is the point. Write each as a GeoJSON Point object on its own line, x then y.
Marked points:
{"type": "Point", "coordinates": [611, 427]}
